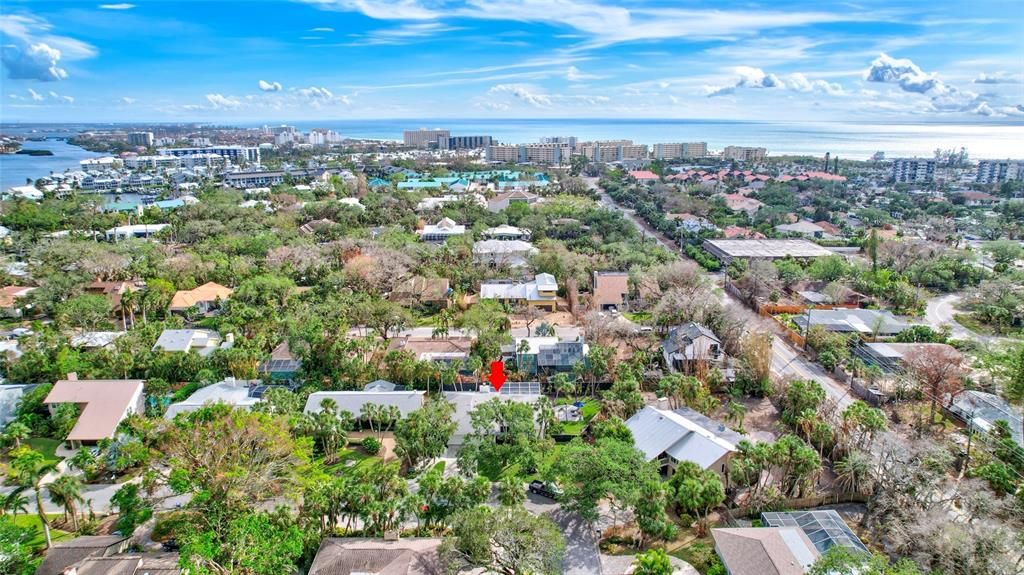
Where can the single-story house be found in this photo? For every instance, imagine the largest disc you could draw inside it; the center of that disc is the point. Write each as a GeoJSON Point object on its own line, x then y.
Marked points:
{"type": "Point", "coordinates": [359, 556]}
{"type": "Point", "coordinates": [982, 410]}
{"type": "Point", "coordinates": [466, 401]}
{"type": "Point", "coordinates": [445, 350]}
{"type": "Point", "coordinates": [423, 291]}
{"type": "Point", "coordinates": [353, 401]}
{"type": "Point", "coordinates": [441, 231]}
{"type": "Point", "coordinates": [825, 528]}
{"type": "Point", "coordinates": [512, 253]}
{"type": "Point", "coordinates": [844, 320]}
{"type": "Point", "coordinates": [507, 232]}
{"type": "Point", "coordinates": [104, 404]}
{"type": "Point", "coordinates": [541, 292]}
{"type": "Point", "coordinates": [95, 339]}
{"type": "Point", "coordinates": [683, 435]}
{"type": "Point", "coordinates": [234, 392]}
{"type": "Point", "coordinates": [10, 296]}
{"type": "Point", "coordinates": [67, 553]}
{"type": "Point", "coordinates": [609, 290]}
{"type": "Point", "coordinates": [282, 365]}
{"type": "Point", "coordinates": [764, 550]}
{"type": "Point", "coordinates": [206, 297]}
{"type": "Point", "coordinates": [202, 341]}
{"type": "Point", "coordinates": [687, 345]}
{"type": "Point", "coordinates": [138, 231]}
{"type": "Point", "coordinates": [504, 199]}
{"type": "Point", "coordinates": [803, 228]}
{"type": "Point", "coordinates": [644, 176]}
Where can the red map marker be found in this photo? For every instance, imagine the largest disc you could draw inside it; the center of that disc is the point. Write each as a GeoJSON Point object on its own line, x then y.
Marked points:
{"type": "Point", "coordinates": [497, 376]}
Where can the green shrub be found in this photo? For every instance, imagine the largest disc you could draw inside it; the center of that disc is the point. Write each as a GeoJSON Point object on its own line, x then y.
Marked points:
{"type": "Point", "coordinates": [371, 445]}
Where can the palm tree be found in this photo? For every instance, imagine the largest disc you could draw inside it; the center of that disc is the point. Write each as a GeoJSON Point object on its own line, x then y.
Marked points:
{"type": "Point", "coordinates": [735, 412]}
{"type": "Point", "coordinates": [854, 472]}
{"type": "Point", "coordinates": [30, 468]}
{"type": "Point", "coordinates": [15, 502]}
{"type": "Point", "coordinates": [66, 491]}
{"type": "Point", "coordinates": [129, 301]}
{"type": "Point", "coordinates": [563, 384]}
{"type": "Point", "coordinates": [18, 432]}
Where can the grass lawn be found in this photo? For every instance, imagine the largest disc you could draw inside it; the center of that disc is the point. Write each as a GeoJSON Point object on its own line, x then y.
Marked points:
{"type": "Point", "coordinates": [967, 320]}
{"type": "Point", "coordinates": [700, 554]}
{"type": "Point", "coordinates": [638, 317]}
{"type": "Point", "coordinates": [351, 459]}
{"type": "Point", "coordinates": [587, 412]}
{"type": "Point", "coordinates": [48, 447]}
{"type": "Point", "coordinates": [32, 520]}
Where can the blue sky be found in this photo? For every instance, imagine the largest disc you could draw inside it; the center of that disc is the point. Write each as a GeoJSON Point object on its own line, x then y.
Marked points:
{"type": "Point", "coordinates": [270, 60]}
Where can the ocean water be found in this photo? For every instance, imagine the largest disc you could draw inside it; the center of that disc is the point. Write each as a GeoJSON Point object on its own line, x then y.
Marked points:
{"type": "Point", "coordinates": [852, 141]}
{"type": "Point", "coordinates": [15, 169]}
{"type": "Point", "coordinates": [846, 140]}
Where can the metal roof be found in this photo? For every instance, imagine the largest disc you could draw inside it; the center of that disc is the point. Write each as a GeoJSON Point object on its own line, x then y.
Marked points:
{"type": "Point", "coordinates": [657, 431]}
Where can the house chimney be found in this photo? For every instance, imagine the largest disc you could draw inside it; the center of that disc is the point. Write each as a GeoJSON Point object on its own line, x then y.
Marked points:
{"type": "Point", "coordinates": [73, 376]}
{"type": "Point", "coordinates": [662, 403]}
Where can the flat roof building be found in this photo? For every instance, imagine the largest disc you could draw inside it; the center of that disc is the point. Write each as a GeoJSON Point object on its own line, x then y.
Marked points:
{"type": "Point", "coordinates": [353, 401]}
{"type": "Point", "coordinates": [424, 138]}
{"type": "Point", "coordinates": [744, 153]}
{"type": "Point", "coordinates": [679, 151]}
{"type": "Point", "coordinates": [728, 250]}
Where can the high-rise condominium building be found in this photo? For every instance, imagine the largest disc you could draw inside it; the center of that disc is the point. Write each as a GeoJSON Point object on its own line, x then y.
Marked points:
{"type": "Point", "coordinates": [679, 151]}
{"type": "Point", "coordinates": [423, 138]}
{"type": "Point", "coordinates": [744, 153]}
{"type": "Point", "coordinates": [463, 142]}
{"type": "Point", "coordinates": [570, 140]}
{"type": "Point", "coordinates": [140, 139]}
{"type": "Point", "coordinates": [613, 150]}
{"type": "Point", "coordinates": [552, 154]}
{"type": "Point", "coordinates": [999, 171]}
{"type": "Point", "coordinates": [913, 170]}
{"type": "Point", "coordinates": [237, 154]}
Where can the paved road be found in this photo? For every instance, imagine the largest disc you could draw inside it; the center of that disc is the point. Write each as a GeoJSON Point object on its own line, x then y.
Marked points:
{"type": "Point", "coordinates": [98, 496]}
{"type": "Point", "coordinates": [786, 360]}
{"type": "Point", "coordinates": [582, 555]}
{"type": "Point", "coordinates": [942, 311]}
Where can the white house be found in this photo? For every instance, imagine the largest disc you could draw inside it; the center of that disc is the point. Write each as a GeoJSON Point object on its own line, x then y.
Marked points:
{"type": "Point", "coordinates": [683, 435]}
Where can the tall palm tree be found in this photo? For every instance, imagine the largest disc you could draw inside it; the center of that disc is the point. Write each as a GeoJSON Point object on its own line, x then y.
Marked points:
{"type": "Point", "coordinates": [30, 468]}
{"type": "Point", "coordinates": [66, 491]}
{"type": "Point", "coordinates": [129, 301]}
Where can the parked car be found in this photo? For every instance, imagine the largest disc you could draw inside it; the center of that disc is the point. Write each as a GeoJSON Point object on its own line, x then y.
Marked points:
{"type": "Point", "coordinates": [549, 490]}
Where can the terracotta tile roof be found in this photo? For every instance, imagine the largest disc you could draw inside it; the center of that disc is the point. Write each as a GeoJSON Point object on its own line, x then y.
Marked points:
{"type": "Point", "coordinates": [105, 402]}
{"type": "Point", "coordinates": [643, 175]}
{"type": "Point", "coordinates": [10, 294]}
{"type": "Point", "coordinates": [208, 292]}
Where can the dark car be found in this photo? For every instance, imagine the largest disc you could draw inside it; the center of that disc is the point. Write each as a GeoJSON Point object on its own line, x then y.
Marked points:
{"type": "Point", "coordinates": [549, 490]}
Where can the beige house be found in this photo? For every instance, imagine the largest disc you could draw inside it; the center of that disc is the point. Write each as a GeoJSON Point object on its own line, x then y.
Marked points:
{"type": "Point", "coordinates": [205, 297]}
{"type": "Point", "coordinates": [610, 290]}
{"type": "Point", "coordinates": [541, 292]}
{"type": "Point", "coordinates": [104, 404]}
{"type": "Point", "coordinates": [671, 436]}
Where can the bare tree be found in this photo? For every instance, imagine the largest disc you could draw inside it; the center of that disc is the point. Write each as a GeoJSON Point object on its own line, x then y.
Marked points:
{"type": "Point", "coordinates": [938, 369]}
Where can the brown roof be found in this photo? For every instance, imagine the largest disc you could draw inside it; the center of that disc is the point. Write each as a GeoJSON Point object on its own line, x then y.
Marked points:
{"type": "Point", "coordinates": [348, 556]}
{"type": "Point", "coordinates": [104, 402]}
{"type": "Point", "coordinates": [829, 227]}
{"type": "Point", "coordinates": [113, 290]}
{"type": "Point", "coordinates": [609, 287]}
{"type": "Point", "coordinates": [764, 550]}
{"type": "Point", "coordinates": [63, 555]}
{"type": "Point", "coordinates": [421, 289]}
{"type": "Point", "coordinates": [424, 348]}
{"type": "Point", "coordinates": [208, 292]}
{"type": "Point", "coordinates": [10, 294]}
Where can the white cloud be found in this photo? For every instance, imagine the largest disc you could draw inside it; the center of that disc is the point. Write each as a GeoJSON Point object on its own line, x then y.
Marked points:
{"type": "Point", "coordinates": [404, 34]}
{"type": "Point", "coordinates": [321, 29]}
{"type": "Point", "coordinates": [574, 74]}
{"type": "Point", "coordinates": [317, 96]}
{"type": "Point", "coordinates": [749, 77]}
{"type": "Point", "coordinates": [603, 24]}
{"type": "Point", "coordinates": [127, 100]}
{"type": "Point", "coordinates": [64, 99]}
{"type": "Point", "coordinates": [220, 101]}
{"type": "Point", "coordinates": [36, 96]}
{"type": "Point", "coordinates": [908, 75]}
{"type": "Point", "coordinates": [997, 78]}
{"type": "Point", "coordinates": [122, 6]}
{"type": "Point", "coordinates": [800, 83]}
{"type": "Point", "coordinates": [31, 52]}
{"type": "Point", "coordinates": [270, 86]}
{"type": "Point", "coordinates": [526, 93]}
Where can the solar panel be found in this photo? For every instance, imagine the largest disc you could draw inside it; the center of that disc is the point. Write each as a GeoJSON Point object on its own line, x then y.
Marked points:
{"type": "Point", "coordinates": [520, 388]}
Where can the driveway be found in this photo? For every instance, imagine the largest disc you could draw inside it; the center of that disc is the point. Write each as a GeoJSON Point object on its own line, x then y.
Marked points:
{"type": "Point", "coordinates": [582, 555]}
